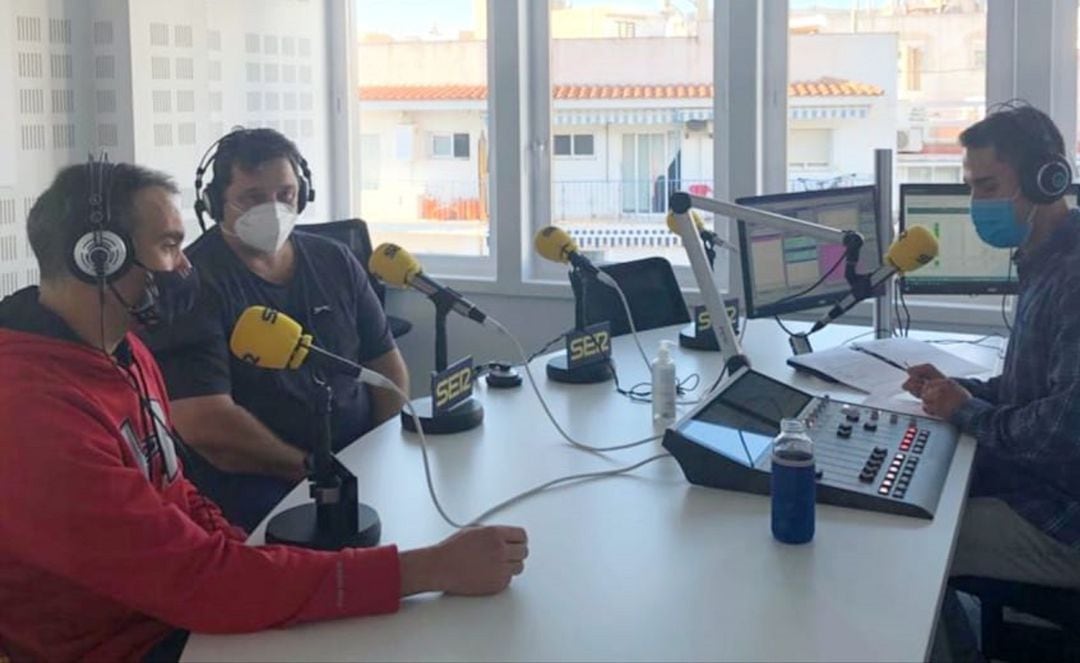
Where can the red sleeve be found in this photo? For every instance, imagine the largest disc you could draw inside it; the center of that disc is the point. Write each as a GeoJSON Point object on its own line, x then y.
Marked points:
{"type": "Point", "coordinates": [207, 514]}
{"type": "Point", "coordinates": [70, 506]}
{"type": "Point", "coordinates": [202, 509]}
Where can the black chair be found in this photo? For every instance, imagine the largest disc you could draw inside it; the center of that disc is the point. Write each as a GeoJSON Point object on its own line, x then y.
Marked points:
{"type": "Point", "coordinates": [1016, 641]}
{"type": "Point", "coordinates": [354, 234]}
{"type": "Point", "coordinates": [651, 290]}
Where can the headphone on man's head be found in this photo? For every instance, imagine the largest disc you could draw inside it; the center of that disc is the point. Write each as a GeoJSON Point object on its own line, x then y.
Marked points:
{"type": "Point", "coordinates": [211, 200]}
{"type": "Point", "coordinates": [1045, 174]}
{"type": "Point", "coordinates": [102, 254]}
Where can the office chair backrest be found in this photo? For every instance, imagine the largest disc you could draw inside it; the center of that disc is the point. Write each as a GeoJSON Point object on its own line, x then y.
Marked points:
{"type": "Point", "coordinates": [651, 289]}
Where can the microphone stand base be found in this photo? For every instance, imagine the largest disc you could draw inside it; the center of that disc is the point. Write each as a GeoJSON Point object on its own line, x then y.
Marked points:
{"type": "Point", "coordinates": [558, 371]}
{"type": "Point", "coordinates": [706, 341]}
{"type": "Point", "coordinates": [298, 527]}
{"type": "Point", "coordinates": [465, 416]}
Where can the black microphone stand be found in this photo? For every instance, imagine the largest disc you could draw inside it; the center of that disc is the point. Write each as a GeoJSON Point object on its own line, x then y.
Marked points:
{"type": "Point", "coordinates": [336, 519]}
{"type": "Point", "coordinates": [558, 367]}
{"type": "Point", "coordinates": [689, 337]}
{"type": "Point", "coordinates": [465, 415]}
{"type": "Point", "coordinates": [860, 284]}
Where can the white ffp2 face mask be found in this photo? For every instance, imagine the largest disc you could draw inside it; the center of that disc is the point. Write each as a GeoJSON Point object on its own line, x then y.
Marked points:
{"type": "Point", "coordinates": [266, 227]}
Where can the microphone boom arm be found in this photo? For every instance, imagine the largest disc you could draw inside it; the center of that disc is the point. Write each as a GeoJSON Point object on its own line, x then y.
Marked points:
{"type": "Point", "coordinates": [680, 204]}
{"type": "Point", "coordinates": [852, 241]}
{"type": "Point", "coordinates": [771, 219]}
{"type": "Point", "coordinates": [728, 342]}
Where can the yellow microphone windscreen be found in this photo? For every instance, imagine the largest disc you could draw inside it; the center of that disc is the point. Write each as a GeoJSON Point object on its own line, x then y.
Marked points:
{"type": "Point", "coordinates": [394, 265]}
{"type": "Point", "coordinates": [269, 339]}
{"type": "Point", "coordinates": [912, 249]}
{"type": "Point", "coordinates": [554, 244]}
{"type": "Point", "coordinates": [694, 216]}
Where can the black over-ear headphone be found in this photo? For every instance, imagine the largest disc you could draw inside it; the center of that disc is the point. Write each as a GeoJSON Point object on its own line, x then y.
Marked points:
{"type": "Point", "coordinates": [1045, 174]}
{"type": "Point", "coordinates": [211, 200]}
{"type": "Point", "coordinates": [102, 254]}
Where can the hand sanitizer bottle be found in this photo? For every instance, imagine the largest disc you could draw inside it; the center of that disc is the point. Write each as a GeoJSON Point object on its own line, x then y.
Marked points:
{"type": "Point", "coordinates": [663, 386]}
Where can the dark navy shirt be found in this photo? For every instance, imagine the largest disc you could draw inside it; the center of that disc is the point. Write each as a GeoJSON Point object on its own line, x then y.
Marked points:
{"type": "Point", "coordinates": [330, 296]}
{"type": "Point", "coordinates": [1027, 420]}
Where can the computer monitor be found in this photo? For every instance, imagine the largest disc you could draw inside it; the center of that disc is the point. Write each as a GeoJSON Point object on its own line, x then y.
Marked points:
{"type": "Point", "coordinates": [965, 265]}
{"type": "Point", "coordinates": [778, 267]}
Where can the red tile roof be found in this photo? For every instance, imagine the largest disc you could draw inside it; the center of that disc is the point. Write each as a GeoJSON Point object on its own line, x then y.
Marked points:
{"type": "Point", "coordinates": [823, 87]}
{"type": "Point", "coordinates": [833, 87]}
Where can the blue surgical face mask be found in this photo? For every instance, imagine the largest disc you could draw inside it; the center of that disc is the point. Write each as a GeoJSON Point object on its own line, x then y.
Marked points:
{"type": "Point", "coordinates": [996, 223]}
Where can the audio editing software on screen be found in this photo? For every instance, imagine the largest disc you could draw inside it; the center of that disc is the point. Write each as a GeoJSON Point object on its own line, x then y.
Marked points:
{"type": "Point", "coordinates": [779, 266]}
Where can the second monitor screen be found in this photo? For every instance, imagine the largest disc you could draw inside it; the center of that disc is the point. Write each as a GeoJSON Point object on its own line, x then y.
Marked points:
{"type": "Point", "coordinates": [965, 265]}
{"type": "Point", "coordinates": [778, 267]}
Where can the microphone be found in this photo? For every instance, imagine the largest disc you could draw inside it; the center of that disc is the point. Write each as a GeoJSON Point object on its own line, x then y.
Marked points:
{"type": "Point", "coordinates": [396, 266]}
{"type": "Point", "coordinates": [552, 243]}
{"type": "Point", "coordinates": [270, 339]}
{"type": "Point", "coordinates": [912, 249]}
{"type": "Point", "coordinates": [705, 234]}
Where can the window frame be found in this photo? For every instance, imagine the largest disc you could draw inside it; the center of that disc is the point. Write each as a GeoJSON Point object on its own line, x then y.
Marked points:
{"type": "Point", "coordinates": [573, 153]}
{"type": "Point", "coordinates": [750, 123]}
{"type": "Point", "coordinates": [1010, 73]}
{"type": "Point", "coordinates": [726, 40]}
{"type": "Point", "coordinates": [453, 137]}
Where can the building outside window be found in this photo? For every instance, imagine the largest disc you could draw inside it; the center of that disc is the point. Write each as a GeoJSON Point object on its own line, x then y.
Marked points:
{"type": "Point", "coordinates": [918, 80]}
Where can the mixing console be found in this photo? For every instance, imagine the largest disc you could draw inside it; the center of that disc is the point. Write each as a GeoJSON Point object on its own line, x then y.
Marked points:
{"type": "Point", "coordinates": [865, 458]}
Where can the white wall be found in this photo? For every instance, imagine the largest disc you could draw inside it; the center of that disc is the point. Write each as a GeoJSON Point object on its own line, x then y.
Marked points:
{"type": "Point", "coordinates": [631, 61]}
{"type": "Point", "coordinates": [105, 64]}
{"type": "Point", "coordinates": [811, 57]}
{"type": "Point", "coordinates": [66, 133]}
{"type": "Point", "coordinates": [423, 63]}
{"type": "Point", "coordinates": [256, 63]}
{"type": "Point", "coordinates": [403, 181]}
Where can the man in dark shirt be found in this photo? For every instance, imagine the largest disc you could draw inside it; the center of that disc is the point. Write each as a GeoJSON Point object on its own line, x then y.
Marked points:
{"type": "Point", "coordinates": [1023, 519]}
{"type": "Point", "coordinates": [251, 428]}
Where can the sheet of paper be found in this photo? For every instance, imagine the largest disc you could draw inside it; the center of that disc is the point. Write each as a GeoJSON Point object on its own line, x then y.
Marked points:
{"type": "Point", "coordinates": [895, 400]}
{"type": "Point", "coordinates": [909, 352]}
{"type": "Point", "coordinates": [853, 368]}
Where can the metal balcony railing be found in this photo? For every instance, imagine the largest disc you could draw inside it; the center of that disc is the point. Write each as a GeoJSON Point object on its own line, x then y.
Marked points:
{"type": "Point", "coordinates": [618, 199]}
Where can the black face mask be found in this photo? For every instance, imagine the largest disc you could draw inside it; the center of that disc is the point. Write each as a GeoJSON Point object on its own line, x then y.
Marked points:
{"type": "Point", "coordinates": [168, 296]}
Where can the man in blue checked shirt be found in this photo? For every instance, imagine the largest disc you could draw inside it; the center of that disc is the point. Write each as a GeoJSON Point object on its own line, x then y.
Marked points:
{"type": "Point", "coordinates": [1022, 521]}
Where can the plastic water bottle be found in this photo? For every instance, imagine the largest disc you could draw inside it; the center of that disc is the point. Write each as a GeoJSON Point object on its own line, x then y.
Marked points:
{"type": "Point", "coordinates": [794, 486]}
{"type": "Point", "coordinates": [663, 386]}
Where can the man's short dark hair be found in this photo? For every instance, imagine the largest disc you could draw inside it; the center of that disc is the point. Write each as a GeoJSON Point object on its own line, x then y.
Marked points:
{"type": "Point", "coordinates": [1017, 131]}
{"type": "Point", "coordinates": [248, 149]}
{"type": "Point", "coordinates": [61, 213]}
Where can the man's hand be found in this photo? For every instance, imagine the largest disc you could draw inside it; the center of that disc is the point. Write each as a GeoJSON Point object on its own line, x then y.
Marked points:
{"type": "Point", "coordinates": [919, 376]}
{"type": "Point", "coordinates": [943, 397]}
{"type": "Point", "coordinates": [473, 561]}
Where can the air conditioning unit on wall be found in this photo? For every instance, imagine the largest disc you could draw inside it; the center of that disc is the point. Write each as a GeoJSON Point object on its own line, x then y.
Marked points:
{"type": "Point", "coordinates": [909, 140]}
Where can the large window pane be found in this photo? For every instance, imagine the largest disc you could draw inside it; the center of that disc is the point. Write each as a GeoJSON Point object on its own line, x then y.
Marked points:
{"type": "Point", "coordinates": [423, 104]}
{"type": "Point", "coordinates": [919, 77]}
{"type": "Point", "coordinates": [631, 120]}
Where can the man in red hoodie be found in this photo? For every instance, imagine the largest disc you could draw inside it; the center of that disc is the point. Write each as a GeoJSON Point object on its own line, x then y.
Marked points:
{"type": "Point", "coordinates": [106, 551]}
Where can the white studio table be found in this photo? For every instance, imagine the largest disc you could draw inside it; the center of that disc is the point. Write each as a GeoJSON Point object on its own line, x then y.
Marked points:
{"type": "Point", "coordinates": [643, 566]}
